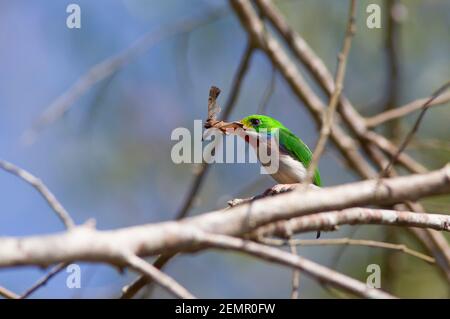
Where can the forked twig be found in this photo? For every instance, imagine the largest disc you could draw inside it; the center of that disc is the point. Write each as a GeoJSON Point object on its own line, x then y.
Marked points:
{"type": "Point", "coordinates": [414, 129]}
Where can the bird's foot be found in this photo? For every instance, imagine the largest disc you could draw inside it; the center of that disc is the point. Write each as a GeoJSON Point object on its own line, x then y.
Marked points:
{"type": "Point", "coordinates": [279, 188]}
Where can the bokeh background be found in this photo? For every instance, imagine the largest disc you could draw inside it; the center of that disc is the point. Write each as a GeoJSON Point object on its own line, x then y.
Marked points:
{"type": "Point", "coordinates": [109, 159]}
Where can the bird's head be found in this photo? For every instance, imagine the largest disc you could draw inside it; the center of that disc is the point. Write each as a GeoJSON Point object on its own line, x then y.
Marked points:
{"type": "Point", "coordinates": [258, 122]}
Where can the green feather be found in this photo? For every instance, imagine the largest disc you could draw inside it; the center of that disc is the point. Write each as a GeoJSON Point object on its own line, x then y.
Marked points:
{"type": "Point", "coordinates": [289, 141]}
{"type": "Point", "coordinates": [299, 150]}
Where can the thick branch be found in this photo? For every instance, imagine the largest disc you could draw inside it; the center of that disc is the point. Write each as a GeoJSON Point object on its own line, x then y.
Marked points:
{"type": "Point", "coordinates": [87, 244]}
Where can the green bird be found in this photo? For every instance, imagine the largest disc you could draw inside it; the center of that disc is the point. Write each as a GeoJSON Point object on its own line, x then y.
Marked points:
{"type": "Point", "coordinates": [294, 155]}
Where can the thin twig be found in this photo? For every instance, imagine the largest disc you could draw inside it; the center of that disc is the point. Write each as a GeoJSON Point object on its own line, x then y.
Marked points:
{"type": "Point", "coordinates": [414, 129]}
{"type": "Point", "coordinates": [430, 143]}
{"type": "Point", "coordinates": [334, 100]}
{"type": "Point", "coordinates": [407, 109]}
{"type": "Point", "coordinates": [262, 108]}
{"type": "Point", "coordinates": [52, 201]}
{"type": "Point", "coordinates": [43, 281]}
{"type": "Point", "coordinates": [351, 242]}
{"type": "Point", "coordinates": [158, 276]}
{"type": "Point", "coordinates": [310, 268]}
{"type": "Point", "coordinates": [295, 272]}
{"type": "Point", "coordinates": [336, 259]}
{"type": "Point", "coordinates": [132, 289]}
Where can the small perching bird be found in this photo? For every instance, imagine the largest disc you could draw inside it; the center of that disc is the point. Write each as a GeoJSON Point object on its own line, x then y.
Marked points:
{"type": "Point", "coordinates": [294, 156]}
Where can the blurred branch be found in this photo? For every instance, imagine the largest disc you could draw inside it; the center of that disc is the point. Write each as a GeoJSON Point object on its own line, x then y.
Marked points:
{"type": "Point", "coordinates": [106, 68]}
{"type": "Point", "coordinates": [392, 43]}
{"type": "Point", "coordinates": [44, 280]}
{"type": "Point", "coordinates": [414, 129]}
{"type": "Point", "coordinates": [295, 273]}
{"type": "Point", "coordinates": [262, 108]}
{"type": "Point", "coordinates": [130, 290]}
{"type": "Point", "coordinates": [430, 143]}
{"type": "Point", "coordinates": [156, 275]}
{"type": "Point", "coordinates": [287, 68]}
{"type": "Point", "coordinates": [337, 256]}
{"type": "Point", "coordinates": [8, 294]}
{"type": "Point", "coordinates": [314, 270]}
{"type": "Point", "coordinates": [52, 201]}
{"type": "Point", "coordinates": [327, 118]}
{"type": "Point", "coordinates": [349, 242]}
{"type": "Point", "coordinates": [402, 111]}
{"type": "Point", "coordinates": [229, 106]}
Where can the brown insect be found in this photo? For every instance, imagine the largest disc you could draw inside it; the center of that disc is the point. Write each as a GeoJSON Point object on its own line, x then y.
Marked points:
{"type": "Point", "coordinates": [214, 110]}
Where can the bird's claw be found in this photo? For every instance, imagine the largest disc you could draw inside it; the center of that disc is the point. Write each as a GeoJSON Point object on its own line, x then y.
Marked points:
{"type": "Point", "coordinates": [279, 188]}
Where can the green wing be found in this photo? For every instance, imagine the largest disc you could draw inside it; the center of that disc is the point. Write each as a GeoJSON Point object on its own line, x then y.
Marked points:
{"type": "Point", "coordinates": [299, 150]}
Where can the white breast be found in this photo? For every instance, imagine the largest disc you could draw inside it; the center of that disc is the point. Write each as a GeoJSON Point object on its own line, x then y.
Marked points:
{"type": "Point", "coordinates": [289, 171]}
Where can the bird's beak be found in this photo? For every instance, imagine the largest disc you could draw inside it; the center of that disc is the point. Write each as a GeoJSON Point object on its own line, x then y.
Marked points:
{"type": "Point", "coordinates": [240, 125]}
{"type": "Point", "coordinates": [232, 125]}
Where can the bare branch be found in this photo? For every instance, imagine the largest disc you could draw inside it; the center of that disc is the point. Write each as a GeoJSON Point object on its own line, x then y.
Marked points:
{"type": "Point", "coordinates": [349, 242]}
{"type": "Point", "coordinates": [42, 189]}
{"type": "Point", "coordinates": [43, 281]}
{"type": "Point", "coordinates": [393, 66]}
{"type": "Point", "coordinates": [295, 273]}
{"type": "Point", "coordinates": [132, 289]}
{"type": "Point", "coordinates": [310, 268]}
{"type": "Point", "coordinates": [407, 109]}
{"type": "Point", "coordinates": [235, 90]}
{"type": "Point", "coordinates": [262, 108]}
{"type": "Point", "coordinates": [414, 129]}
{"type": "Point", "coordinates": [339, 83]}
{"type": "Point", "coordinates": [86, 244]}
{"type": "Point", "coordinates": [158, 276]}
{"type": "Point", "coordinates": [201, 173]}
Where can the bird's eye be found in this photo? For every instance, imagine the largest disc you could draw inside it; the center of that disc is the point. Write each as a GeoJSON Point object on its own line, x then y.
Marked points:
{"type": "Point", "coordinates": [255, 122]}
